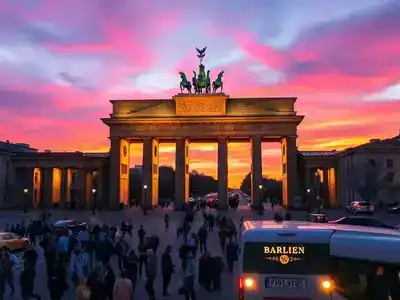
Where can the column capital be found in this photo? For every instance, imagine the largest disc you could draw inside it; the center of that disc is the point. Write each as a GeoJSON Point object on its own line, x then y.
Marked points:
{"type": "Point", "coordinates": [222, 139]}
{"type": "Point", "coordinates": [256, 137]}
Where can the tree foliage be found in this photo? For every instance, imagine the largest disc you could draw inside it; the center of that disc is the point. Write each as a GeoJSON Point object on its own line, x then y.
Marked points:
{"type": "Point", "coordinates": [272, 187]}
{"type": "Point", "coordinates": [368, 180]}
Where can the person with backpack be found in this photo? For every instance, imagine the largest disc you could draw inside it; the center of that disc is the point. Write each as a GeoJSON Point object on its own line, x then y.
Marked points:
{"type": "Point", "coordinates": [7, 262]}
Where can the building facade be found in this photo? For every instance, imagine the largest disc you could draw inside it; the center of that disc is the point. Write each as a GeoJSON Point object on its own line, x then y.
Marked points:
{"type": "Point", "coordinates": [369, 172]}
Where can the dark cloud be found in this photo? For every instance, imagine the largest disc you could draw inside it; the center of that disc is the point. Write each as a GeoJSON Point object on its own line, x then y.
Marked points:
{"type": "Point", "coordinates": [23, 103]}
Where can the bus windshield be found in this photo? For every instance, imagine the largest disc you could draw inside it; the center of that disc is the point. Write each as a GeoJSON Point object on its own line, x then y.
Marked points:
{"type": "Point", "coordinates": [287, 258]}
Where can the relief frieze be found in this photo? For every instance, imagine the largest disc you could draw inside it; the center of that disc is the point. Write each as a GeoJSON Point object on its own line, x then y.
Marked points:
{"type": "Point", "coordinates": [197, 129]}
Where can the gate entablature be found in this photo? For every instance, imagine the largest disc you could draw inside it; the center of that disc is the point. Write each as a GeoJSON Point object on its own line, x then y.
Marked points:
{"type": "Point", "coordinates": [201, 105]}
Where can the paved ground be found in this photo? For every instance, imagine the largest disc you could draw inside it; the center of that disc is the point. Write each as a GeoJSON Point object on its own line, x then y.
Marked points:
{"type": "Point", "coordinates": [154, 225]}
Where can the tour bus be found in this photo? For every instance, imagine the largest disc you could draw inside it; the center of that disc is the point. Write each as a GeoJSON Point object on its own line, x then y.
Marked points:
{"type": "Point", "coordinates": [305, 261]}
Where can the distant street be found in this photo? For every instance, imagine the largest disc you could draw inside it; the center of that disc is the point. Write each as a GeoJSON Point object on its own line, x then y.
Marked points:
{"type": "Point", "coordinates": [153, 224]}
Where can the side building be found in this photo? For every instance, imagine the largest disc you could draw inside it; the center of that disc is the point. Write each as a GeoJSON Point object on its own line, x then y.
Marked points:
{"type": "Point", "coordinates": [45, 179]}
{"type": "Point", "coordinates": [369, 171]}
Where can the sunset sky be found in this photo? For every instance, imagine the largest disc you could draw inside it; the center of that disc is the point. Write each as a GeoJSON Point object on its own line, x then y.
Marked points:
{"type": "Point", "coordinates": [61, 61]}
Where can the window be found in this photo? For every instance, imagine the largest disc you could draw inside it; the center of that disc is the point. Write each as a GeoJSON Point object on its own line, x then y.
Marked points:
{"type": "Point", "coordinates": [284, 168]}
{"type": "Point", "coordinates": [284, 150]}
{"type": "Point", "coordinates": [389, 163]}
{"type": "Point", "coordinates": [389, 177]}
{"type": "Point", "coordinates": [352, 277]}
{"type": "Point", "coordinates": [372, 162]}
{"type": "Point", "coordinates": [36, 178]}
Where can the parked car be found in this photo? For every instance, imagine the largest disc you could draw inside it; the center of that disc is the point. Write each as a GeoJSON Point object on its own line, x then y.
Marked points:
{"type": "Point", "coordinates": [62, 227]}
{"type": "Point", "coordinates": [395, 209]}
{"type": "Point", "coordinates": [363, 221]}
{"type": "Point", "coordinates": [317, 218]}
{"type": "Point", "coordinates": [360, 207]}
{"type": "Point", "coordinates": [13, 241]}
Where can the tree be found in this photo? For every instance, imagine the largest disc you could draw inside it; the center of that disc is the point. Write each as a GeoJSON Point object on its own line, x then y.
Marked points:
{"type": "Point", "coordinates": [166, 182]}
{"type": "Point", "coordinates": [272, 188]}
{"type": "Point", "coordinates": [199, 183]}
{"type": "Point", "coordinates": [368, 180]}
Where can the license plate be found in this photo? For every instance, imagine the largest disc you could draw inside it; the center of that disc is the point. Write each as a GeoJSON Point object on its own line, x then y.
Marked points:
{"type": "Point", "coordinates": [285, 283]}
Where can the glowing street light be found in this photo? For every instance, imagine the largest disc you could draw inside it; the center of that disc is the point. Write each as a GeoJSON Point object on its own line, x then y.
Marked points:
{"type": "Point", "coordinates": [260, 186]}
{"type": "Point", "coordinates": [25, 201]}
{"type": "Point", "coordinates": [94, 201]}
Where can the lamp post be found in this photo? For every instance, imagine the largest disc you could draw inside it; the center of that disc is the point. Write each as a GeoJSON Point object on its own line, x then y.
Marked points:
{"type": "Point", "coordinates": [94, 201]}
{"type": "Point", "coordinates": [260, 187]}
{"type": "Point", "coordinates": [25, 201]}
{"type": "Point", "coordinates": [145, 199]}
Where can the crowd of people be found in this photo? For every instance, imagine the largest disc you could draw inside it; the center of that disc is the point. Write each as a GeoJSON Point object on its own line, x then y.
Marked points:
{"type": "Point", "coordinates": [80, 259]}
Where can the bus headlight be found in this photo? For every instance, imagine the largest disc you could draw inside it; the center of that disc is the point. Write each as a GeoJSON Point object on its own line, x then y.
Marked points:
{"type": "Point", "coordinates": [327, 285]}
{"type": "Point", "coordinates": [248, 283]}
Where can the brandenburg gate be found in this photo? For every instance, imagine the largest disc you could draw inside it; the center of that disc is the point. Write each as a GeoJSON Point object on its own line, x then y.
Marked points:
{"type": "Point", "coordinates": [204, 115]}
{"type": "Point", "coordinates": [200, 117]}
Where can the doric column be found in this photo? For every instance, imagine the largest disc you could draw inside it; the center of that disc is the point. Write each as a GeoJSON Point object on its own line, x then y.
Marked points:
{"type": "Point", "coordinates": [65, 187]}
{"type": "Point", "coordinates": [37, 189]}
{"type": "Point", "coordinates": [150, 172]}
{"type": "Point", "coordinates": [256, 170]}
{"type": "Point", "coordinates": [289, 170]}
{"type": "Point", "coordinates": [181, 172]}
{"type": "Point", "coordinates": [325, 188]}
{"type": "Point", "coordinates": [119, 172]}
{"type": "Point", "coordinates": [88, 188]}
{"type": "Point", "coordinates": [81, 188]}
{"type": "Point", "coordinates": [223, 173]}
{"type": "Point", "coordinates": [333, 190]}
{"type": "Point", "coordinates": [47, 199]}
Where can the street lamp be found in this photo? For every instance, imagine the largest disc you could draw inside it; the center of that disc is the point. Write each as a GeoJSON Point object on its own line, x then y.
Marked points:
{"type": "Point", "coordinates": [25, 201]}
{"type": "Point", "coordinates": [145, 200]}
{"type": "Point", "coordinates": [94, 201]}
{"type": "Point", "coordinates": [260, 187]}
{"type": "Point", "coordinates": [308, 191]}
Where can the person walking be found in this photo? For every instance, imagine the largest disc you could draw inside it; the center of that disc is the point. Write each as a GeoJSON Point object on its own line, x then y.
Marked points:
{"type": "Point", "coordinates": [167, 268]}
{"type": "Point", "coordinates": [27, 282]}
{"type": "Point", "coordinates": [123, 289]}
{"type": "Point", "coordinates": [151, 273]}
{"type": "Point", "coordinates": [189, 278]}
{"type": "Point", "coordinates": [7, 262]}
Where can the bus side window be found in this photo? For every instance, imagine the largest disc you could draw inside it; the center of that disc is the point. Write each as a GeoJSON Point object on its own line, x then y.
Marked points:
{"type": "Point", "coordinates": [350, 278]}
{"type": "Point", "coordinates": [362, 279]}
